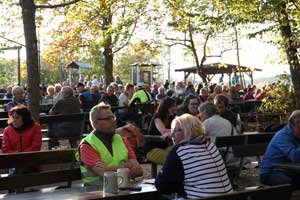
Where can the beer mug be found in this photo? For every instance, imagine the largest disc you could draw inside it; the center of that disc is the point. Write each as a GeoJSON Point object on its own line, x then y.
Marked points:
{"type": "Point", "coordinates": [123, 177]}
{"type": "Point", "coordinates": [110, 182]}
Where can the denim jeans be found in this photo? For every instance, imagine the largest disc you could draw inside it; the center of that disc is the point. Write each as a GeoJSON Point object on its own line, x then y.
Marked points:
{"type": "Point", "coordinates": [275, 178]}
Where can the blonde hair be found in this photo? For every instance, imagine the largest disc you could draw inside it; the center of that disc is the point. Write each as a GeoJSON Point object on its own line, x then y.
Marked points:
{"type": "Point", "coordinates": [190, 125]}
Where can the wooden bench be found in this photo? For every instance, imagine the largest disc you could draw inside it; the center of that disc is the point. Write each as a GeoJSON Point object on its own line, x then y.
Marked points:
{"type": "Point", "coordinates": [282, 192]}
{"type": "Point", "coordinates": [39, 158]}
{"type": "Point", "coordinates": [245, 145]}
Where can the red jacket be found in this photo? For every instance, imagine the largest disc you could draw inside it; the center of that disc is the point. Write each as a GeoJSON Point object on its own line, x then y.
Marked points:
{"type": "Point", "coordinates": [27, 140]}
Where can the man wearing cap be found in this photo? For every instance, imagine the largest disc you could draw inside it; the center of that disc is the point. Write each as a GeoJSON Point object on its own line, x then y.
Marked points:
{"type": "Point", "coordinates": [284, 147]}
{"type": "Point", "coordinates": [141, 95]}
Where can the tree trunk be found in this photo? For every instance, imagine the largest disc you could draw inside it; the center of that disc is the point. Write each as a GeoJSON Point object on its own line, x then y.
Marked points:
{"type": "Point", "coordinates": [198, 65]}
{"type": "Point", "coordinates": [108, 54]}
{"type": "Point", "coordinates": [33, 76]}
{"type": "Point", "coordinates": [290, 50]}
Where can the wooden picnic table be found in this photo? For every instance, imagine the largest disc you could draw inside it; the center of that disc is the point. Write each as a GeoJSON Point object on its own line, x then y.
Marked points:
{"type": "Point", "coordinates": [148, 191]}
{"type": "Point", "coordinates": [4, 101]}
{"type": "Point", "coordinates": [293, 168]}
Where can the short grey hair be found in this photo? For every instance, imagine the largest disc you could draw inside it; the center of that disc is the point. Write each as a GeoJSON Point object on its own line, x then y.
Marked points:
{"type": "Point", "coordinates": [294, 117]}
{"type": "Point", "coordinates": [17, 90]}
{"type": "Point", "coordinates": [208, 108]}
{"type": "Point", "coordinates": [67, 91]}
{"type": "Point", "coordinates": [95, 111]}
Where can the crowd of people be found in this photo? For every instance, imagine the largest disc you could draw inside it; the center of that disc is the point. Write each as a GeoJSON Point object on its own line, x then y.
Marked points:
{"type": "Point", "coordinates": [188, 119]}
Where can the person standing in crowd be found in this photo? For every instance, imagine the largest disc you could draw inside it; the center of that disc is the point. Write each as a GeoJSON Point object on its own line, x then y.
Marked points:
{"type": "Point", "coordinates": [284, 147]}
{"type": "Point", "coordinates": [194, 167]}
{"type": "Point", "coordinates": [104, 150]}
{"type": "Point", "coordinates": [95, 80]}
{"type": "Point", "coordinates": [18, 98]}
{"type": "Point", "coordinates": [81, 78]}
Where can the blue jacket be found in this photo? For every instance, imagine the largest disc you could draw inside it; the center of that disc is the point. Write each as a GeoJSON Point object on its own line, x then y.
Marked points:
{"type": "Point", "coordinates": [284, 147]}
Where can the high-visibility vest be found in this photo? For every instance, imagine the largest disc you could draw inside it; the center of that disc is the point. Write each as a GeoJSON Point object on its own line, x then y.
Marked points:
{"type": "Point", "coordinates": [120, 155]}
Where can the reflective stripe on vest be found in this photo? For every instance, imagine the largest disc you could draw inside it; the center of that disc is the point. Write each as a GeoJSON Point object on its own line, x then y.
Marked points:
{"type": "Point", "coordinates": [120, 155]}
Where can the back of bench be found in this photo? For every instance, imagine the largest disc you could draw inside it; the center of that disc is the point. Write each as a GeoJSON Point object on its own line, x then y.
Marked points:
{"type": "Point", "coordinates": [38, 158]}
{"type": "Point", "coordinates": [246, 144]}
{"type": "Point", "coordinates": [254, 145]}
{"type": "Point", "coordinates": [228, 141]}
{"type": "Point", "coordinates": [62, 118]}
{"type": "Point", "coordinates": [282, 192]}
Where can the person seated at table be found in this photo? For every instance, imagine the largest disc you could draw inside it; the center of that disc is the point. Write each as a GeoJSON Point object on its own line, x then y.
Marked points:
{"type": "Point", "coordinates": [8, 94]}
{"type": "Point", "coordinates": [203, 95]}
{"type": "Point", "coordinates": [283, 148]}
{"type": "Point", "coordinates": [57, 89]}
{"type": "Point", "coordinates": [221, 101]}
{"type": "Point", "coordinates": [161, 94]}
{"type": "Point", "coordinates": [68, 104]}
{"type": "Point", "coordinates": [123, 113]}
{"type": "Point", "coordinates": [103, 149]}
{"type": "Point", "coordinates": [84, 96]}
{"type": "Point", "coordinates": [96, 95]}
{"type": "Point", "coordinates": [49, 98]}
{"type": "Point", "coordinates": [109, 97]}
{"type": "Point", "coordinates": [249, 95]}
{"type": "Point", "coordinates": [234, 92]}
{"type": "Point", "coordinates": [141, 95]}
{"type": "Point", "coordinates": [214, 124]}
{"type": "Point", "coordinates": [194, 167]}
{"type": "Point", "coordinates": [217, 126]}
{"type": "Point", "coordinates": [217, 90]}
{"type": "Point", "coordinates": [18, 98]}
{"type": "Point", "coordinates": [189, 105]}
{"type": "Point", "coordinates": [160, 125]}
{"type": "Point", "coordinates": [22, 134]}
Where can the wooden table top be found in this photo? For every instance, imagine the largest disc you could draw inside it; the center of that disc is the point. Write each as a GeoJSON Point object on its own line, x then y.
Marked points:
{"type": "Point", "coordinates": [289, 167]}
{"type": "Point", "coordinates": [78, 192]}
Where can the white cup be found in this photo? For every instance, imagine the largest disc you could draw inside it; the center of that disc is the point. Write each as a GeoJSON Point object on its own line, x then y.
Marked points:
{"type": "Point", "coordinates": [110, 184]}
{"type": "Point", "coordinates": [123, 177]}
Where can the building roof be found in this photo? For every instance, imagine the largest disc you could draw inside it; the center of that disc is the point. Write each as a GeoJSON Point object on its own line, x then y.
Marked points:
{"type": "Point", "coordinates": [145, 63]}
{"type": "Point", "coordinates": [219, 68]}
{"type": "Point", "coordinates": [76, 65]}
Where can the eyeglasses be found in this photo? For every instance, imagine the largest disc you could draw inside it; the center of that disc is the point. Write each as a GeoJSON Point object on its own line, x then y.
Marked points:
{"type": "Point", "coordinates": [108, 118]}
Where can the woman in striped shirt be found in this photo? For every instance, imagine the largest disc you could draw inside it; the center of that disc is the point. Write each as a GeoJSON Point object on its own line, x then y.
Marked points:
{"type": "Point", "coordinates": [194, 167]}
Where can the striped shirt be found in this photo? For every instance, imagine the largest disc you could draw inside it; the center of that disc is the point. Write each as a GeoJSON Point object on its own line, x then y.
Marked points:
{"type": "Point", "coordinates": [194, 170]}
{"type": "Point", "coordinates": [204, 170]}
